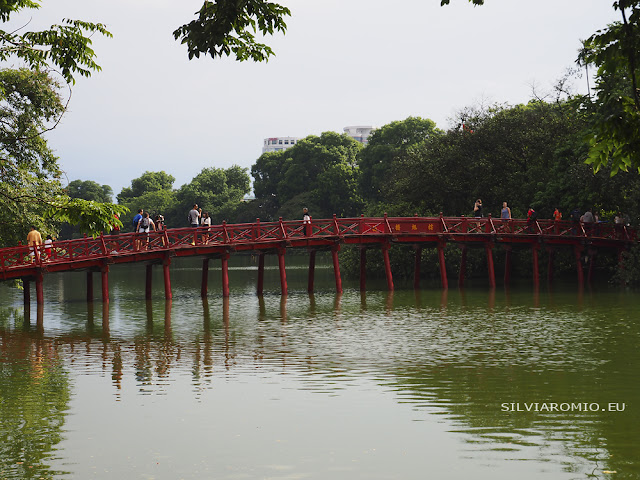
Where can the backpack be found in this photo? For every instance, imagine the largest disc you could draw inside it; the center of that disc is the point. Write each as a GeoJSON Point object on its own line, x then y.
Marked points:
{"type": "Point", "coordinates": [144, 223]}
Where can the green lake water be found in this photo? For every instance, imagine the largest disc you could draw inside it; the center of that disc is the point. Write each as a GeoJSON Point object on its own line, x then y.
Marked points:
{"type": "Point", "coordinates": [457, 384]}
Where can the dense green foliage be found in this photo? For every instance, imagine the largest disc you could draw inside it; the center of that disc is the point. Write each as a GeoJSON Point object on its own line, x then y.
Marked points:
{"type": "Point", "coordinates": [66, 47]}
{"type": "Point", "coordinates": [319, 173]}
{"type": "Point", "coordinates": [614, 136]}
{"type": "Point", "coordinates": [89, 190]}
{"type": "Point", "coordinates": [217, 191]}
{"type": "Point", "coordinates": [225, 27]}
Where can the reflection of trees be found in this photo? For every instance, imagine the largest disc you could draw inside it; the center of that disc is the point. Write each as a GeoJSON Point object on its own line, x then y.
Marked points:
{"type": "Point", "coordinates": [34, 394]}
{"type": "Point", "coordinates": [459, 356]}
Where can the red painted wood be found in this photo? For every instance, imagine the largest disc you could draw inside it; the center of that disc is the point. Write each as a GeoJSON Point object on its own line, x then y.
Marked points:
{"type": "Point", "coordinates": [536, 272]}
{"type": "Point", "coordinates": [336, 267]}
{"type": "Point", "coordinates": [592, 259]}
{"type": "Point", "coordinates": [463, 267]}
{"type": "Point", "coordinates": [443, 268]}
{"type": "Point", "coordinates": [490, 267]}
{"type": "Point", "coordinates": [204, 281]}
{"type": "Point", "coordinates": [39, 289]}
{"type": "Point", "coordinates": [167, 278]}
{"type": "Point", "coordinates": [104, 274]}
{"type": "Point", "coordinates": [26, 290]}
{"type": "Point", "coordinates": [89, 253]}
{"type": "Point", "coordinates": [148, 281]}
{"type": "Point", "coordinates": [363, 269]}
{"type": "Point", "coordinates": [312, 267]}
{"type": "Point", "coordinates": [416, 268]}
{"type": "Point", "coordinates": [260, 273]}
{"type": "Point", "coordinates": [578, 254]}
{"type": "Point", "coordinates": [89, 286]}
{"type": "Point", "coordinates": [225, 274]}
{"type": "Point", "coordinates": [507, 267]}
{"type": "Point", "coordinates": [387, 266]}
{"type": "Point", "coordinates": [550, 266]}
{"type": "Point", "coordinates": [283, 272]}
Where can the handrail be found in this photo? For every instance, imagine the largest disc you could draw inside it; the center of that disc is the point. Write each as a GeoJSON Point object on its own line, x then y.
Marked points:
{"type": "Point", "coordinates": [321, 230]}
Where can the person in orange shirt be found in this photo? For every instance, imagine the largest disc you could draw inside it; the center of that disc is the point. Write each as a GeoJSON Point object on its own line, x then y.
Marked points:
{"type": "Point", "coordinates": [557, 215]}
{"type": "Point", "coordinates": [33, 240]}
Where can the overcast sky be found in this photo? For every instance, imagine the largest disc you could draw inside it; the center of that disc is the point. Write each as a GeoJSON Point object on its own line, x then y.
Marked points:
{"type": "Point", "coordinates": [341, 62]}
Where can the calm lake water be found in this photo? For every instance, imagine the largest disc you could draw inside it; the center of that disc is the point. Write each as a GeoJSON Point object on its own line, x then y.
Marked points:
{"type": "Point", "coordinates": [413, 385]}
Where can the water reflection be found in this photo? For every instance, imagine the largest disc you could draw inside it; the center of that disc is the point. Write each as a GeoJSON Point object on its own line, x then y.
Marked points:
{"type": "Point", "coordinates": [456, 356]}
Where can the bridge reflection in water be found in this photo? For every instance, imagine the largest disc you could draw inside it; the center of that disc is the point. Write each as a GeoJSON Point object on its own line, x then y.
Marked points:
{"type": "Point", "coordinates": [221, 241]}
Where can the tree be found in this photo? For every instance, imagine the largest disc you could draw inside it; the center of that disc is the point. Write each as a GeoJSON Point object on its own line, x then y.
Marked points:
{"type": "Point", "coordinates": [218, 191]}
{"type": "Point", "coordinates": [615, 130]}
{"type": "Point", "coordinates": [147, 182]}
{"type": "Point", "coordinates": [30, 191]}
{"type": "Point", "coordinates": [385, 146]}
{"type": "Point", "coordinates": [89, 190]}
{"type": "Point", "coordinates": [614, 136]}
{"type": "Point", "coordinates": [224, 27]}
{"type": "Point", "coordinates": [66, 46]}
{"type": "Point", "coordinates": [154, 193]}
{"type": "Point", "coordinates": [319, 172]}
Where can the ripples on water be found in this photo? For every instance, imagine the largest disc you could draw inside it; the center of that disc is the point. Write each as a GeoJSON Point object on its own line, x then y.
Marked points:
{"type": "Point", "coordinates": [408, 385]}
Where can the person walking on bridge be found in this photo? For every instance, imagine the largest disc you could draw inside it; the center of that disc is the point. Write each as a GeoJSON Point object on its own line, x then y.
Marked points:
{"type": "Point", "coordinates": [136, 220]}
{"type": "Point", "coordinates": [33, 240]}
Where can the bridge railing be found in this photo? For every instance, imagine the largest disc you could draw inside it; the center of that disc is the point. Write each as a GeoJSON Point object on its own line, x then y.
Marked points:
{"type": "Point", "coordinates": [87, 248]}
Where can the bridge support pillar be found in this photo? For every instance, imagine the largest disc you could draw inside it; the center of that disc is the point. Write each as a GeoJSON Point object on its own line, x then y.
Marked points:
{"type": "Point", "coordinates": [507, 266]}
{"type": "Point", "coordinates": [148, 281]}
{"type": "Point", "coordinates": [592, 260]}
{"type": "Point", "coordinates": [621, 260]}
{"type": "Point", "coordinates": [167, 277]}
{"type": "Point", "coordinates": [260, 274]}
{"type": "Point", "coordinates": [104, 274]}
{"type": "Point", "coordinates": [225, 274]}
{"type": "Point", "coordinates": [336, 267]}
{"type": "Point", "coordinates": [550, 264]}
{"type": "Point", "coordinates": [490, 266]}
{"type": "Point", "coordinates": [89, 286]}
{"type": "Point", "coordinates": [312, 270]}
{"type": "Point", "coordinates": [578, 254]}
{"type": "Point", "coordinates": [463, 267]}
{"type": "Point", "coordinates": [363, 268]}
{"type": "Point", "coordinates": [283, 272]}
{"type": "Point", "coordinates": [26, 291]}
{"type": "Point", "coordinates": [536, 271]}
{"type": "Point", "coordinates": [39, 289]}
{"type": "Point", "coordinates": [443, 267]}
{"type": "Point", "coordinates": [387, 266]}
{"type": "Point", "coordinates": [204, 281]}
{"type": "Point", "coordinates": [416, 268]}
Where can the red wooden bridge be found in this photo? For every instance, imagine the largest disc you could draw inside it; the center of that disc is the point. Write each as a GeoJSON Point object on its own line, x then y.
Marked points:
{"type": "Point", "coordinates": [220, 241]}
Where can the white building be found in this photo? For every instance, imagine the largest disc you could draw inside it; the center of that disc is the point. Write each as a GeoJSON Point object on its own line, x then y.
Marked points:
{"type": "Point", "coordinates": [361, 133]}
{"type": "Point", "coordinates": [274, 144]}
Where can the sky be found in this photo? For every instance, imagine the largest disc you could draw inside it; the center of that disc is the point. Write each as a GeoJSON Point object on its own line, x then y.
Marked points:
{"type": "Point", "coordinates": [340, 63]}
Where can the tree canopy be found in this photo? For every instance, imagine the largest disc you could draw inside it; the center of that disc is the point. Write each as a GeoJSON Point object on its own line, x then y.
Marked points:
{"type": "Point", "coordinates": [320, 173]}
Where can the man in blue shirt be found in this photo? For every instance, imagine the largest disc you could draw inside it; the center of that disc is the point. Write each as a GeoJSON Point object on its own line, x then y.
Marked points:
{"type": "Point", "coordinates": [136, 219]}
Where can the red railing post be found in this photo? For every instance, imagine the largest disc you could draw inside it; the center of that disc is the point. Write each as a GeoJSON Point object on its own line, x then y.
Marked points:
{"type": "Point", "coordinates": [282, 230]}
{"type": "Point", "coordinates": [386, 223]}
{"type": "Point", "coordinates": [255, 230]}
{"type": "Point", "coordinates": [225, 233]}
{"type": "Point", "coordinates": [336, 229]}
